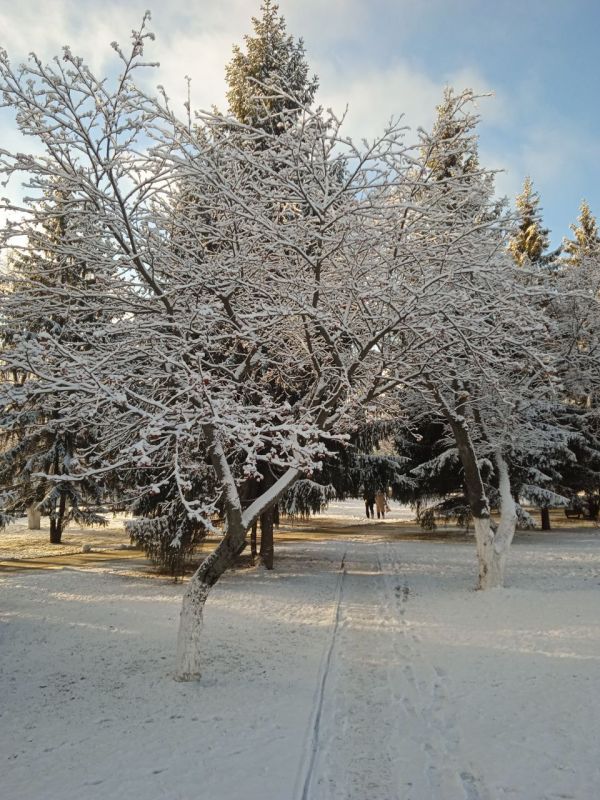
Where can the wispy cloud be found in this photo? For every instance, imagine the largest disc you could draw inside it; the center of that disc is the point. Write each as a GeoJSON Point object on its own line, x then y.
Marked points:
{"type": "Point", "coordinates": [381, 58]}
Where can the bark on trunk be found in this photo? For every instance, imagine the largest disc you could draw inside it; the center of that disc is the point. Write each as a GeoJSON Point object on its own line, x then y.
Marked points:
{"type": "Point", "coordinates": [267, 519]}
{"type": "Point", "coordinates": [34, 519]}
{"type": "Point", "coordinates": [267, 547]}
{"type": "Point", "coordinates": [55, 530]}
{"type": "Point", "coordinates": [57, 522]}
{"type": "Point", "coordinates": [189, 654]}
{"type": "Point", "coordinates": [493, 547]}
{"type": "Point", "coordinates": [490, 562]}
{"type": "Point", "coordinates": [546, 519]}
{"type": "Point", "coordinates": [253, 550]}
{"type": "Point", "coordinates": [189, 640]}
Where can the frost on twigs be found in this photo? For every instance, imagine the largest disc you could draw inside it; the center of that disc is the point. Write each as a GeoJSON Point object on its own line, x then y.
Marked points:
{"type": "Point", "coordinates": [227, 300]}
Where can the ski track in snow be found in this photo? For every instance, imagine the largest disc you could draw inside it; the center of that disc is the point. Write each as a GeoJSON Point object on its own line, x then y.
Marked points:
{"type": "Point", "coordinates": [374, 667]}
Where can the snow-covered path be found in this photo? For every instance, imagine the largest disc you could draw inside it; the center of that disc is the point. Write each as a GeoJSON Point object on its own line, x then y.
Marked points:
{"type": "Point", "coordinates": [384, 729]}
{"type": "Point", "coordinates": [363, 668]}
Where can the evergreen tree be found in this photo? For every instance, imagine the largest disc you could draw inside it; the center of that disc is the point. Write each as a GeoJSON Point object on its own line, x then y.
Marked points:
{"type": "Point", "coordinates": [42, 459]}
{"type": "Point", "coordinates": [450, 150]}
{"type": "Point", "coordinates": [269, 83]}
{"type": "Point", "coordinates": [530, 241]}
{"type": "Point", "coordinates": [586, 241]}
{"type": "Point", "coordinates": [576, 309]}
{"type": "Point", "coordinates": [161, 524]}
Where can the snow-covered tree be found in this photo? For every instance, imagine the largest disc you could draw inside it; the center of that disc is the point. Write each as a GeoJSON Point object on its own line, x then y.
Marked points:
{"type": "Point", "coordinates": [585, 242]}
{"type": "Point", "coordinates": [269, 83]}
{"type": "Point", "coordinates": [485, 371]}
{"type": "Point", "coordinates": [530, 240]}
{"type": "Point", "coordinates": [36, 441]}
{"type": "Point", "coordinates": [268, 86]}
{"type": "Point", "coordinates": [323, 285]}
{"type": "Point", "coordinates": [257, 351]}
{"type": "Point", "coordinates": [575, 308]}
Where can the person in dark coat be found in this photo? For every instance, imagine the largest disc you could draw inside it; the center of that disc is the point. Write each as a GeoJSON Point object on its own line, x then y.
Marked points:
{"type": "Point", "coordinates": [370, 504]}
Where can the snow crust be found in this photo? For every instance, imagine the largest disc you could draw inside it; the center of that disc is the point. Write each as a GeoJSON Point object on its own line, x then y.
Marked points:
{"type": "Point", "coordinates": [387, 677]}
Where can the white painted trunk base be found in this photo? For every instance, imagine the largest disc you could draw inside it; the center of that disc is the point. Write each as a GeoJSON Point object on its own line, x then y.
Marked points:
{"type": "Point", "coordinates": [189, 658]}
{"type": "Point", "coordinates": [34, 519]}
{"type": "Point", "coordinates": [492, 552]}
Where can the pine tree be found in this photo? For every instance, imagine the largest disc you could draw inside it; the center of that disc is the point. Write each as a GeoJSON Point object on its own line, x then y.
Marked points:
{"type": "Point", "coordinates": [530, 240]}
{"type": "Point", "coordinates": [269, 83]}
{"type": "Point", "coordinates": [576, 308]}
{"type": "Point", "coordinates": [586, 241]}
{"type": "Point", "coordinates": [160, 522]}
{"type": "Point", "coordinates": [451, 148]}
{"type": "Point", "coordinates": [42, 457]}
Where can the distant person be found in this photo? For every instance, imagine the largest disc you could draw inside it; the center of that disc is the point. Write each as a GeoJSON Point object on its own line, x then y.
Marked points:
{"type": "Point", "coordinates": [370, 504]}
{"type": "Point", "coordinates": [382, 505]}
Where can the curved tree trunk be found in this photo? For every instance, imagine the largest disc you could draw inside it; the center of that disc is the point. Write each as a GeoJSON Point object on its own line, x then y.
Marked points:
{"type": "Point", "coordinates": [189, 653]}
{"type": "Point", "coordinates": [492, 545]}
{"type": "Point", "coordinates": [189, 639]}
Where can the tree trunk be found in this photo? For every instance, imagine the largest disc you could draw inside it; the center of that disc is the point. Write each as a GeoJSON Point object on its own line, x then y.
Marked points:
{"type": "Point", "coordinates": [55, 534]}
{"type": "Point", "coordinates": [253, 550]}
{"type": "Point", "coordinates": [545, 518]}
{"type": "Point", "coordinates": [267, 546]}
{"type": "Point", "coordinates": [490, 562]}
{"type": "Point", "coordinates": [190, 623]}
{"type": "Point", "coordinates": [267, 519]}
{"type": "Point", "coordinates": [57, 521]}
{"type": "Point", "coordinates": [493, 547]}
{"type": "Point", "coordinates": [55, 530]}
{"type": "Point", "coordinates": [189, 657]}
{"type": "Point", "coordinates": [34, 518]}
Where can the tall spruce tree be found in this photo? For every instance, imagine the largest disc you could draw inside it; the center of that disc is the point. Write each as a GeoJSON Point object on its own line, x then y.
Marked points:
{"type": "Point", "coordinates": [268, 86]}
{"type": "Point", "coordinates": [42, 458]}
{"type": "Point", "coordinates": [576, 308]}
{"type": "Point", "coordinates": [269, 83]}
{"type": "Point", "coordinates": [451, 148]}
{"type": "Point", "coordinates": [528, 246]}
{"type": "Point", "coordinates": [530, 241]}
{"type": "Point", "coordinates": [585, 242]}
{"type": "Point", "coordinates": [456, 182]}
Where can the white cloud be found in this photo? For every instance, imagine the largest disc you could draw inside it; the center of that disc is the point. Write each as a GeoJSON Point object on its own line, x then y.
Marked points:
{"type": "Point", "coordinates": [195, 38]}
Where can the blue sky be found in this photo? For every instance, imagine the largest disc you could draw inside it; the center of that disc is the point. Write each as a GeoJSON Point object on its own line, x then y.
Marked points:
{"type": "Point", "coordinates": [382, 57]}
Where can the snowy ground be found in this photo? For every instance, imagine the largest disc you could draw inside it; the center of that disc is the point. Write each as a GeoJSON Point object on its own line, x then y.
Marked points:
{"type": "Point", "coordinates": [363, 668]}
{"type": "Point", "coordinates": [354, 511]}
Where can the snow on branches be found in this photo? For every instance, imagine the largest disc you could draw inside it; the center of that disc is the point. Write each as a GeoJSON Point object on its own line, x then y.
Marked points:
{"type": "Point", "coordinates": [239, 301]}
